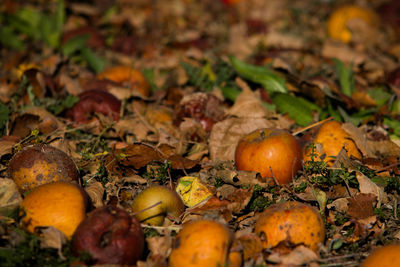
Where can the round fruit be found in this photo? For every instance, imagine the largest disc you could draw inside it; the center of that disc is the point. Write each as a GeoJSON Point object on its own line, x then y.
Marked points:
{"type": "Point", "coordinates": [41, 164]}
{"type": "Point", "coordinates": [125, 74]}
{"type": "Point", "coordinates": [201, 243]}
{"type": "Point", "coordinates": [271, 152]}
{"type": "Point", "coordinates": [387, 256]}
{"type": "Point", "coordinates": [60, 204]}
{"type": "Point", "coordinates": [154, 203]}
{"type": "Point", "coordinates": [292, 222]}
{"type": "Point", "coordinates": [332, 138]}
{"type": "Point", "coordinates": [339, 19]}
{"type": "Point", "coordinates": [94, 101]}
{"type": "Point", "coordinates": [110, 236]}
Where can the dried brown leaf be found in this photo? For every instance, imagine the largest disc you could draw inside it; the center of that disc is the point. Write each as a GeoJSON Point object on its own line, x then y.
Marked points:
{"type": "Point", "coordinates": [96, 192]}
{"type": "Point", "coordinates": [361, 206]}
{"type": "Point", "coordinates": [366, 186]}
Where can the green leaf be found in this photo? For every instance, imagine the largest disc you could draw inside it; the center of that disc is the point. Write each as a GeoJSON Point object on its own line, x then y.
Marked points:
{"type": "Point", "coordinates": [10, 39]}
{"type": "Point", "coordinates": [74, 44]}
{"type": "Point", "coordinates": [95, 62]}
{"type": "Point", "coordinates": [380, 96]}
{"type": "Point", "coordinates": [345, 76]}
{"type": "Point", "coordinates": [26, 21]}
{"type": "Point", "coordinates": [394, 124]}
{"type": "Point", "coordinates": [264, 75]}
{"type": "Point", "coordinates": [298, 108]}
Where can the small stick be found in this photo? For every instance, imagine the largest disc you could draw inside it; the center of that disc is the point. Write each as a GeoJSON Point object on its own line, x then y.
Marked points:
{"type": "Point", "coordinates": [311, 126]}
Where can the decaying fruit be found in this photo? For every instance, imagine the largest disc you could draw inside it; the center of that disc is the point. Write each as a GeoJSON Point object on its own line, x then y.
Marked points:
{"type": "Point", "coordinates": [290, 222]}
{"type": "Point", "coordinates": [271, 152]}
{"type": "Point", "coordinates": [94, 101]}
{"type": "Point", "coordinates": [339, 19]}
{"type": "Point", "coordinates": [201, 243]}
{"type": "Point", "coordinates": [59, 204]}
{"type": "Point", "coordinates": [40, 164]}
{"type": "Point", "coordinates": [110, 236]}
{"type": "Point", "coordinates": [330, 139]}
{"type": "Point", "coordinates": [387, 256]}
{"type": "Point", "coordinates": [154, 203]}
{"type": "Point", "coordinates": [125, 74]}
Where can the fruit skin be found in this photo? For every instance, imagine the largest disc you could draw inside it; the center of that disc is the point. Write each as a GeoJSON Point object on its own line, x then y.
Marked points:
{"type": "Point", "coordinates": [337, 22]}
{"type": "Point", "coordinates": [123, 74]}
{"type": "Point", "coordinates": [98, 101]}
{"type": "Point", "coordinates": [269, 148]}
{"type": "Point", "coordinates": [332, 138]}
{"type": "Point", "coordinates": [59, 204]}
{"type": "Point", "coordinates": [171, 204]}
{"type": "Point", "coordinates": [387, 256]}
{"type": "Point", "coordinates": [40, 164]}
{"type": "Point", "coordinates": [111, 236]}
{"type": "Point", "coordinates": [293, 222]}
{"type": "Point", "coordinates": [201, 243]}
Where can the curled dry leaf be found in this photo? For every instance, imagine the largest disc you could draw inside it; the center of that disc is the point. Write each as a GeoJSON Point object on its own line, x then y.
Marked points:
{"type": "Point", "coordinates": [252, 245]}
{"type": "Point", "coordinates": [299, 256]}
{"type": "Point", "coordinates": [9, 195]}
{"type": "Point", "coordinates": [359, 138]}
{"type": "Point", "coordinates": [96, 192]}
{"type": "Point", "coordinates": [340, 205]}
{"type": "Point", "coordinates": [51, 237]}
{"type": "Point", "coordinates": [361, 206]}
{"type": "Point", "coordinates": [366, 186]}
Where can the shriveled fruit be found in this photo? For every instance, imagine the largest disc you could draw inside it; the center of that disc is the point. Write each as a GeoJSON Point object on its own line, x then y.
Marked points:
{"type": "Point", "coordinates": [271, 152]}
{"type": "Point", "coordinates": [201, 243]}
{"type": "Point", "coordinates": [125, 74]}
{"type": "Point", "coordinates": [154, 203]}
{"type": "Point", "coordinates": [330, 139]}
{"type": "Point", "coordinates": [60, 204]}
{"type": "Point", "coordinates": [292, 222]}
{"type": "Point", "coordinates": [339, 19]}
{"type": "Point", "coordinates": [110, 236]}
{"type": "Point", "coordinates": [387, 256]}
{"type": "Point", "coordinates": [40, 164]}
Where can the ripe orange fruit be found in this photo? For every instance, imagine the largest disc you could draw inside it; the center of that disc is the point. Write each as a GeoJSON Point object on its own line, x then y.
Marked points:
{"type": "Point", "coordinates": [40, 164]}
{"type": "Point", "coordinates": [126, 74]}
{"type": "Point", "coordinates": [292, 222]}
{"type": "Point", "coordinates": [339, 19]}
{"type": "Point", "coordinates": [201, 243]}
{"type": "Point", "coordinates": [387, 256]}
{"type": "Point", "coordinates": [59, 204]}
{"type": "Point", "coordinates": [269, 149]}
{"type": "Point", "coordinates": [332, 138]}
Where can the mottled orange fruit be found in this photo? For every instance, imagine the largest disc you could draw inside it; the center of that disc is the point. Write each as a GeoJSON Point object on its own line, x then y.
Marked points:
{"type": "Point", "coordinates": [293, 222]}
{"type": "Point", "coordinates": [60, 204]}
{"type": "Point", "coordinates": [201, 243]}
{"type": "Point", "coordinates": [339, 19]}
{"type": "Point", "coordinates": [331, 137]}
{"type": "Point", "coordinates": [126, 74]}
{"type": "Point", "coordinates": [387, 256]}
{"type": "Point", "coordinates": [40, 164]}
{"type": "Point", "coordinates": [271, 152]}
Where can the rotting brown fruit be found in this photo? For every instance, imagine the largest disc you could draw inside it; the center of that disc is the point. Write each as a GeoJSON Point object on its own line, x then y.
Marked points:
{"type": "Point", "coordinates": [291, 222]}
{"type": "Point", "coordinates": [94, 101]}
{"type": "Point", "coordinates": [154, 203]}
{"type": "Point", "coordinates": [201, 243]}
{"type": "Point", "coordinates": [110, 236]}
{"type": "Point", "coordinates": [40, 164]}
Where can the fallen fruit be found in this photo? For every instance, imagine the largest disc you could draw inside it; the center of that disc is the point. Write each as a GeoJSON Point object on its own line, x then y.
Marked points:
{"type": "Point", "coordinates": [291, 222]}
{"type": "Point", "coordinates": [59, 204]}
{"type": "Point", "coordinates": [154, 203]}
{"type": "Point", "coordinates": [271, 152]}
{"type": "Point", "coordinates": [201, 243]}
{"type": "Point", "coordinates": [94, 101]}
{"type": "Point", "coordinates": [331, 138]}
{"type": "Point", "coordinates": [339, 19]}
{"type": "Point", "coordinates": [110, 236]}
{"type": "Point", "coordinates": [386, 256]}
{"type": "Point", "coordinates": [41, 164]}
{"type": "Point", "coordinates": [124, 74]}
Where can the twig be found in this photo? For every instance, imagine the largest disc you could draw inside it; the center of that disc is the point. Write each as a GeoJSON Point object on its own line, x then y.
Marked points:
{"type": "Point", "coordinates": [311, 126]}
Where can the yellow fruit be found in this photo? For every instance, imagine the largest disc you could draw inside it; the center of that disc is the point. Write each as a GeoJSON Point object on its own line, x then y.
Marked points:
{"type": "Point", "coordinates": [338, 21]}
{"type": "Point", "coordinates": [292, 222]}
{"type": "Point", "coordinates": [59, 204]}
{"type": "Point", "coordinates": [40, 164]}
{"type": "Point", "coordinates": [169, 203]}
{"type": "Point", "coordinates": [387, 256]}
{"type": "Point", "coordinates": [332, 138]}
{"type": "Point", "coordinates": [201, 243]}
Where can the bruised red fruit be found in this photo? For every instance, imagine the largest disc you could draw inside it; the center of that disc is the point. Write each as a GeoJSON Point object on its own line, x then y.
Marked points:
{"type": "Point", "coordinates": [94, 101]}
{"type": "Point", "coordinates": [202, 107]}
{"type": "Point", "coordinates": [111, 236]}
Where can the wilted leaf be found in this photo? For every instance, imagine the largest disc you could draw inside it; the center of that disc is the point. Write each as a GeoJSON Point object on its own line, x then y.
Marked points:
{"type": "Point", "coordinates": [361, 206]}
{"type": "Point", "coordinates": [9, 195]}
{"type": "Point", "coordinates": [366, 186]}
{"type": "Point", "coordinates": [96, 192]}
